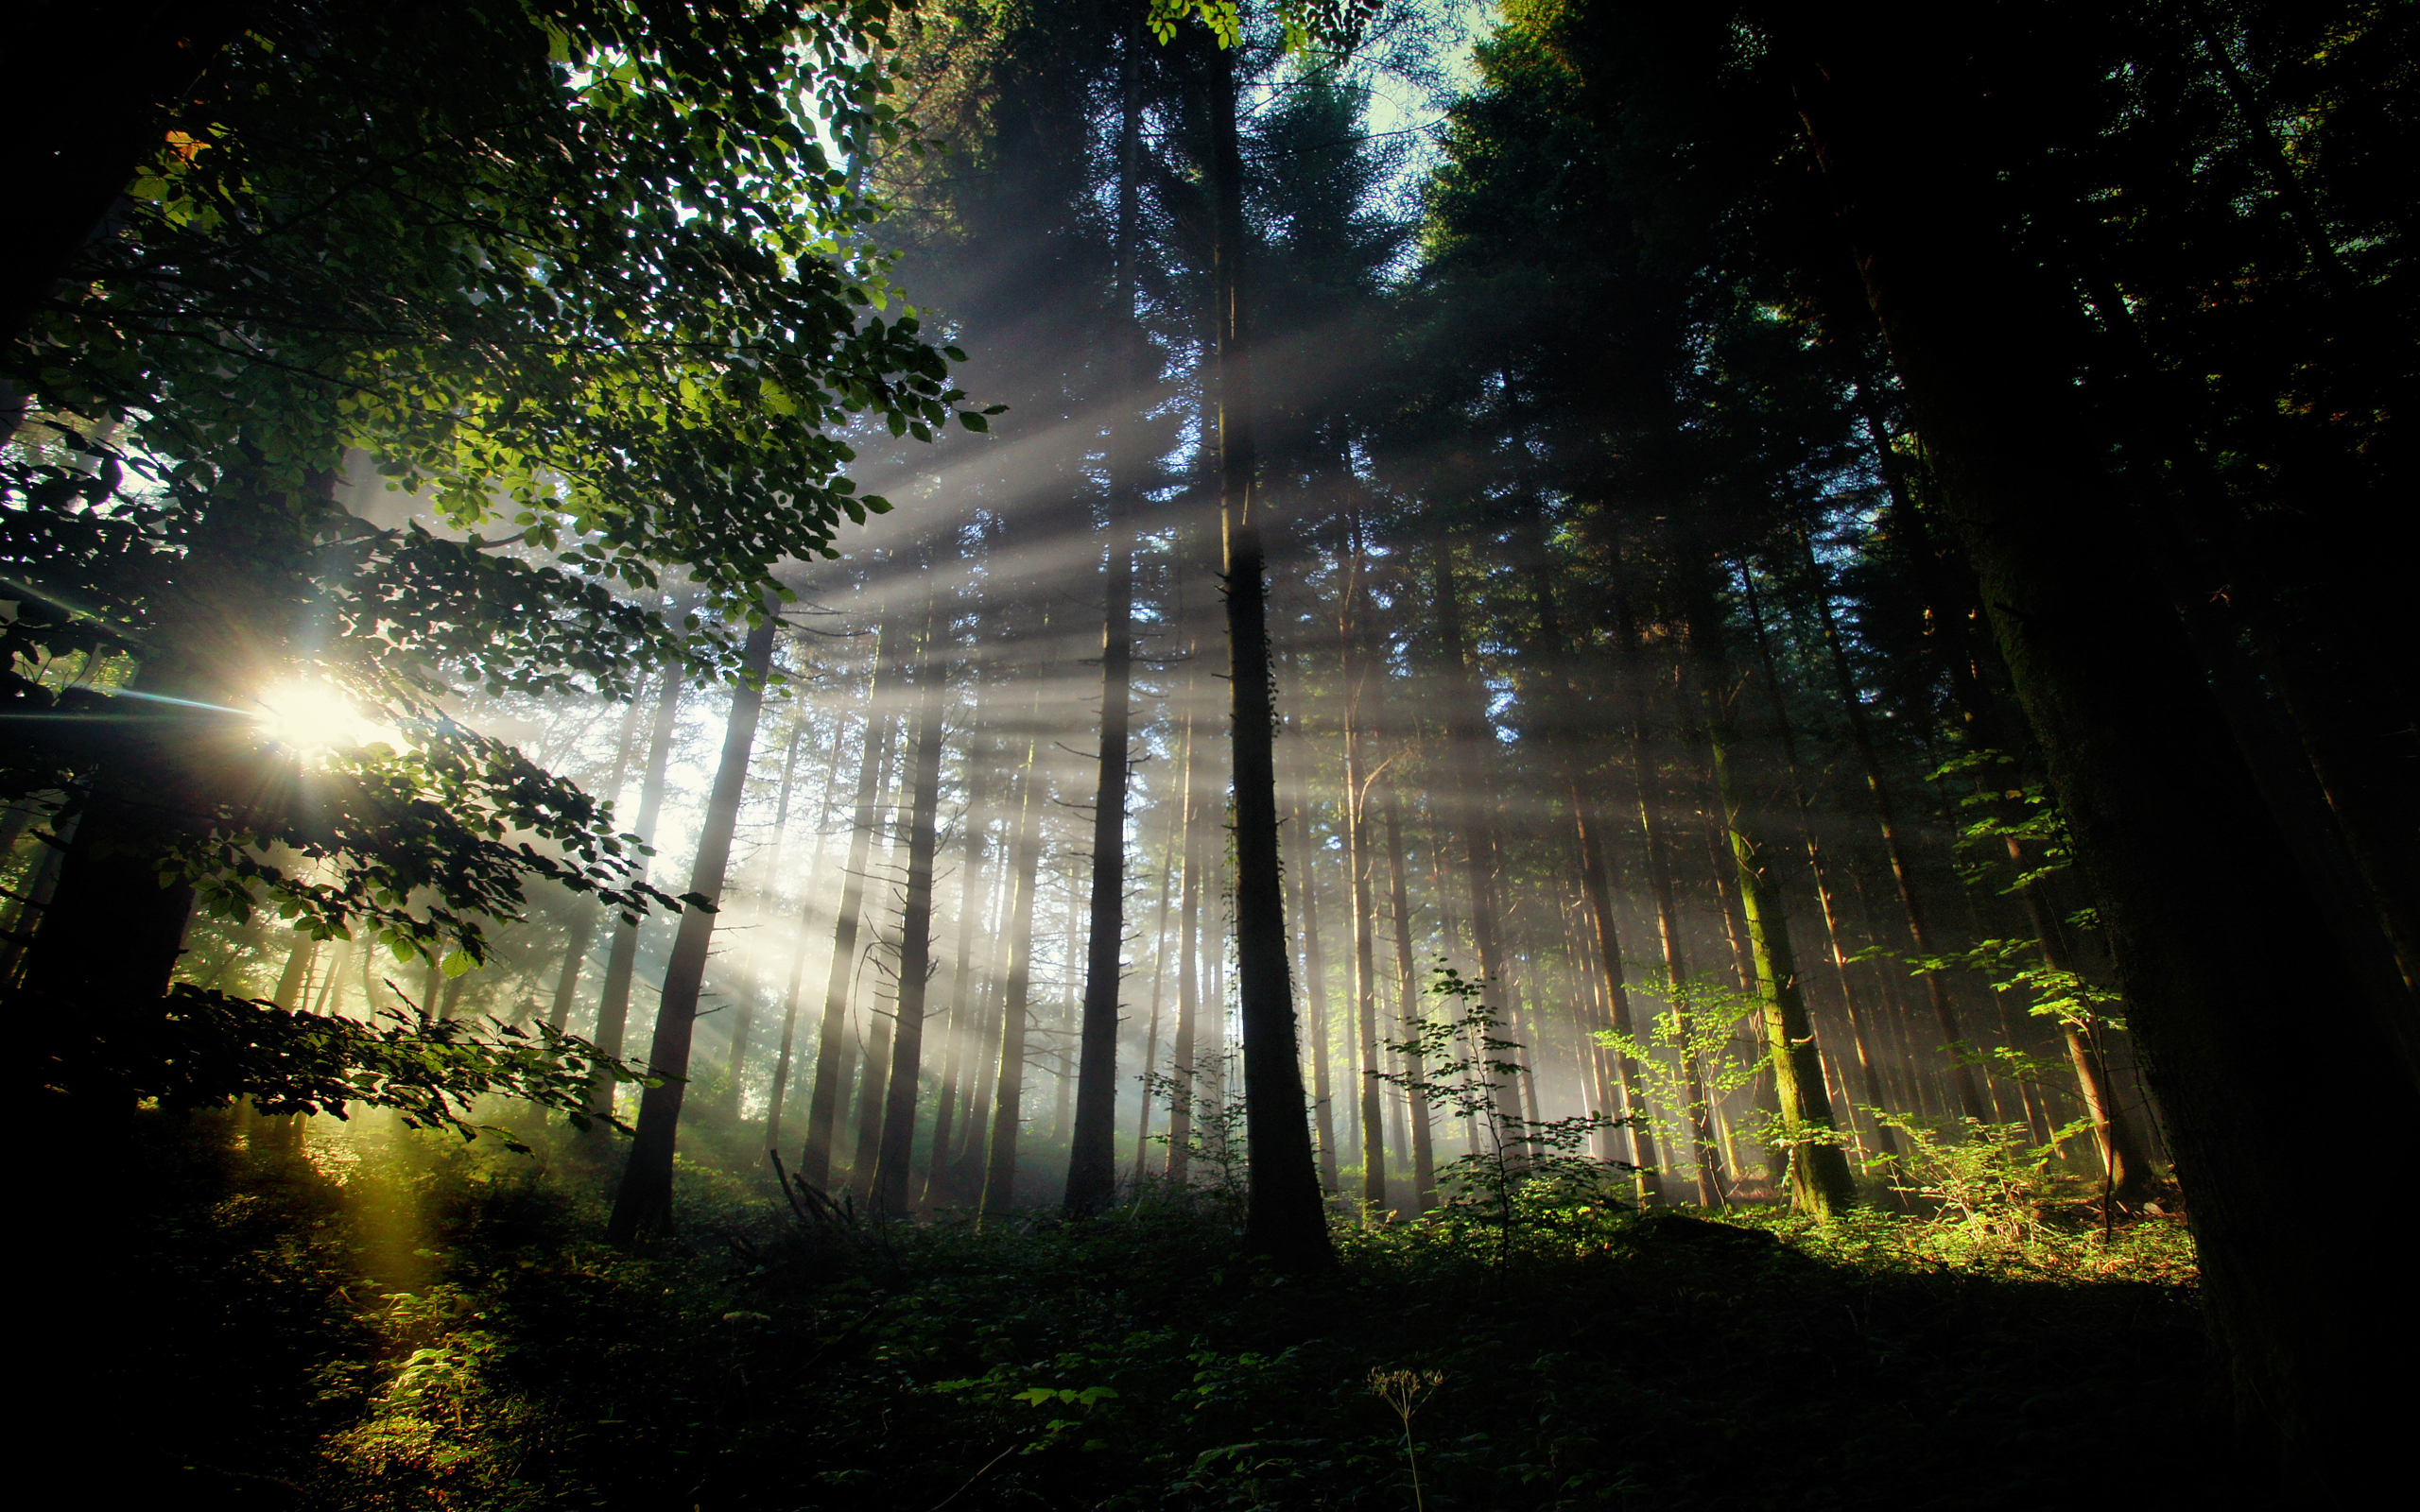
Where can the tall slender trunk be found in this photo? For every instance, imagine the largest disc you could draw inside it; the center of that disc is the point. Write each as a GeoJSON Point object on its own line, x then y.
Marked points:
{"type": "Point", "coordinates": [644, 1206]}
{"type": "Point", "coordinates": [897, 1152]}
{"type": "Point", "coordinates": [832, 1050]}
{"type": "Point", "coordinates": [1315, 996]}
{"type": "Point", "coordinates": [1185, 1050]}
{"type": "Point", "coordinates": [1818, 1168]}
{"type": "Point", "coordinates": [1283, 1215]}
{"type": "Point", "coordinates": [777, 1098]}
{"type": "Point", "coordinates": [873, 1079]}
{"type": "Point", "coordinates": [584, 911]}
{"type": "Point", "coordinates": [621, 961]}
{"type": "Point", "coordinates": [1092, 1150]}
{"type": "Point", "coordinates": [1025, 866]}
{"type": "Point", "coordinates": [973, 898]}
{"type": "Point", "coordinates": [1354, 637]}
{"type": "Point", "coordinates": [2155, 796]}
{"type": "Point", "coordinates": [743, 1017]}
{"type": "Point", "coordinates": [1423, 1154]}
{"type": "Point", "coordinates": [1817, 865]}
{"type": "Point", "coordinates": [1159, 982]}
{"type": "Point", "coordinates": [1587, 825]}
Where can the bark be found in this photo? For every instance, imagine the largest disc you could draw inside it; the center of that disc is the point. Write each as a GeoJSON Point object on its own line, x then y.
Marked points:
{"type": "Point", "coordinates": [1283, 1216]}
{"type": "Point", "coordinates": [643, 1208]}
{"type": "Point", "coordinates": [1818, 1169]}
{"type": "Point", "coordinates": [897, 1151]}
{"type": "Point", "coordinates": [832, 1048]}
{"type": "Point", "coordinates": [2155, 796]}
{"type": "Point", "coordinates": [1315, 1001]}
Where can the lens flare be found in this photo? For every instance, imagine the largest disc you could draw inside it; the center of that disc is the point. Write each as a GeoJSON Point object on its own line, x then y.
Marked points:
{"type": "Point", "coordinates": [313, 716]}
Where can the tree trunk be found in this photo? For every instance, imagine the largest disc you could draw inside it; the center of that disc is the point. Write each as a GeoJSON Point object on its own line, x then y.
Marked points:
{"type": "Point", "coordinates": [1025, 866]}
{"type": "Point", "coordinates": [2147, 776]}
{"type": "Point", "coordinates": [1159, 983]}
{"type": "Point", "coordinates": [621, 961]}
{"type": "Point", "coordinates": [1468, 736]}
{"type": "Point", "coordinates": [585, 911]}
{"type": "Point", "coordinates": [1354, 638]}
{"type": "Point", "coordinates": [1818, 1169]}
{"type": "Point", "coordinates": [768, 884]}
{"type": "Point", "coordinates": [777, 1098]}
{"type": "Point", "coordinates": [832, 1049]}
{"type": "Point", "coordinates": [897, 1152]}
{"type": "Point", "coordinates": [1184, 1053]}
{"type": "Point", "coordinates": [1424, 1156]}
{"type": "Point", "coordinates": [1817, 864]}
{"type": "Point", "coordinates": [644, 1206]}
{"type": "Point", "coordinates": [1282, 1217]}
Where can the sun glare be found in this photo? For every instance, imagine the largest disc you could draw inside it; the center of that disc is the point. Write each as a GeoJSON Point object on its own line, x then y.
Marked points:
{"type": "Point", "coordinates": [313, 716]}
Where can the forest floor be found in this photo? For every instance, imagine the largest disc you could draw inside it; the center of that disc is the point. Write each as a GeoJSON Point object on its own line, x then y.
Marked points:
{"type": "Point", "coordinates": [391, 1320]}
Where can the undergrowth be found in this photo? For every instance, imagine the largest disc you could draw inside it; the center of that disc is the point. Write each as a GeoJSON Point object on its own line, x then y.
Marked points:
{"type": "Point", "coordinates": [393, 1321]}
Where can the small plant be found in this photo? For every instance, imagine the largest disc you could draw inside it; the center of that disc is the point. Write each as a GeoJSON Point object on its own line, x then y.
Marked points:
{"type": "Point", "coordinates": [1695, 1054]}
{"type": "Point", "coordinates": [1520, 1170]}
{"type": "Point", "coordinates": [1403, 1391]}
{"type": "Point", "coordinates": [1214, 1141]}
{"type": "Point", "coordinates": [1989, 1187]}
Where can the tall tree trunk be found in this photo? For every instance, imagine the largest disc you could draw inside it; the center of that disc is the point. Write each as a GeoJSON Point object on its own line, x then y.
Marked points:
{"type": "Point", "coordinates": [621, 961]}
{"type": "Point", "coordinates": [1159, 983]}
{"type": "Point", "coordinates": [897, 1152]}
{"type": "Point", "coordinates": [1283, 1215]}
{"type": "Point", "coordinates": [1468, 738]}
{"type": "Point", "coordinates": [973, 900]}
{"type": "Point", "coordinates": [1818, 1168]}
{"type": "Point", "coordinates": [2146, 773]}
{"type": "Point", "coordinates": [643, 1208]}
{"type": "Point", "coordinates": [1185, 1052]}
{"type": "Point", "coordinates": [777, 1098]}
{"type": "Point", "coordinates": [1092, 1151]}
{"type": "Point", "coordinates": [1588, 827]}
{"type": "Point", "coordinates": [743, 1017]}
{"type": "Point", "coordinates": [1315, 1000]}
{"type": "Point", "coordinates": [1817, 865]}
{"type": "Point", "coordinates": [1354, 639]}
{"type": "Point", "coordinates": [832, 1050]}
{"type": "Point", "coordinates": [1025, 867]}
{"type": "Point", "coordinates": [873, 1079]}
{"type": "Point", "coordinates": [1423, 1154]}
{"type": "Point", "coordinates": [584, 911]}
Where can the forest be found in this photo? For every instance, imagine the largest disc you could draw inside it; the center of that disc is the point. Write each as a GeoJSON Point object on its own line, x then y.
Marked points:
{"type": "Point", "coordinates": [1213, 753]}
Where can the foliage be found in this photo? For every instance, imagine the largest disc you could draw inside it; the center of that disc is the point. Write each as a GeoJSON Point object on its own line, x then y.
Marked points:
{"type": "Point", "coordinates": [1989, 1188]}
{"type": "Point", "coordinates": [1698, 1032]}
{"type": "Point", "coordinates": [591, 287]}
{"type": "Point", "coordinates": [1524, 1174]}
{"type": "Point", "coordinates": [1214, 1139]}
{"type": "Point", "coordinates": [206, 1050]}
{"type": "Point", "coordinates": [427, 1322]}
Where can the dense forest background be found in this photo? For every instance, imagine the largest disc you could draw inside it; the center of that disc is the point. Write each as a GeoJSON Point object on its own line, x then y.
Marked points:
{"type": "Point", "coordinates": [1251, 731]}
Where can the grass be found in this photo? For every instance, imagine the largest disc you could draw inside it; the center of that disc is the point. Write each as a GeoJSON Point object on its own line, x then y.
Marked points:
{"type": "Point", "coordinates": [393, 1321]}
